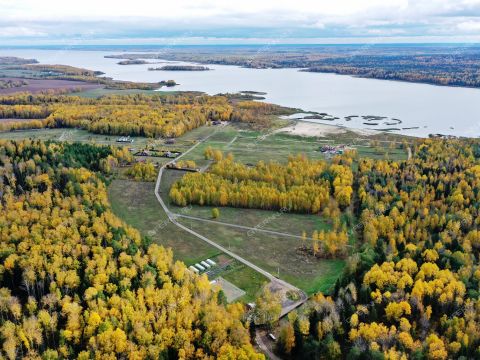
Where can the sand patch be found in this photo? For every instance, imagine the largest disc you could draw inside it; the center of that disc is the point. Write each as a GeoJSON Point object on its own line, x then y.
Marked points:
{"type": "Point", "coordinates": [307, 128]}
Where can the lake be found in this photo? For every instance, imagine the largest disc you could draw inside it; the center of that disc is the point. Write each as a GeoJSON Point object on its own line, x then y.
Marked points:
{"type": "Point", "coordinates": [426, 108]}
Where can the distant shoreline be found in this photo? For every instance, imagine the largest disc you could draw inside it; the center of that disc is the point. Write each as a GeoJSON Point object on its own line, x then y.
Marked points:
{"type": "Point", "coordinates": [180, 68]}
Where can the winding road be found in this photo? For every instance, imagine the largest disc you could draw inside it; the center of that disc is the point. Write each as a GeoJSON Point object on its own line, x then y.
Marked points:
{"type": "Point", "coordinates": [173, 218]}
{"type": "Point", "coordinates": [286, 308]}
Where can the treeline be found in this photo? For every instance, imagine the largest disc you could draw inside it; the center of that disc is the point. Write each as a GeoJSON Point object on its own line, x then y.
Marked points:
{"type": "Point", "coordinates": [326, 244]}
{"type": "Point", "coordinates": [52, 70]}
{"type": "Point", "coordinates": [142, 171]}
{"type": "Point", "coordinates": [178, 68]}
{"type": "Point", "coordinates": [256, 114]}
{"type": "Point", "coordinates": [135, 115]}
{"type": "Point", "coordinates": [301, 185]}
{"type": "Point", "coordinates": [9, 84]}
{"type": "Point", "coordinates": [24, 111]}
{"type": "Point", "coordinates": [451, 70]}
{"type": "Point", "coordinates": [412, 292]}
{"type": "Point", "coordinates": [78, 283]}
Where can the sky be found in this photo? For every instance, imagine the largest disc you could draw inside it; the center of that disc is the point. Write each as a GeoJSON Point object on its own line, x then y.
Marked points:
{"type": "Point", "coordinates": [178, 22]}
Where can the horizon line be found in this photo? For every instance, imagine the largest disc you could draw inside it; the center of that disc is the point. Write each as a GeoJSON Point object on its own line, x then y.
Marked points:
{"type": "Point", "coordinates": [33, 46]}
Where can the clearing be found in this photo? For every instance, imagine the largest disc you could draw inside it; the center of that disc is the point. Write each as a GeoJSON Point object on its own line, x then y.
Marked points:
{"type": "Point", "coordinates": [136, 204]}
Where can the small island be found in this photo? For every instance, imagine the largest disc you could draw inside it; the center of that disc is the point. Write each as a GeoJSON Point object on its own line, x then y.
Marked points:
{"type": "Point", "coordinates": [180, 68]}
{"type": "Point", "coordinates": [168, 83]}
{"type": "Point", "coordinates": [250, 92]}
{"type": "Point", "coordinates": [133, 62]}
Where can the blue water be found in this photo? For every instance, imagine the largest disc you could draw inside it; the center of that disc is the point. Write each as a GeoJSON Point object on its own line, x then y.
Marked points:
{"type": "Point", "coordinates": [434, 109]}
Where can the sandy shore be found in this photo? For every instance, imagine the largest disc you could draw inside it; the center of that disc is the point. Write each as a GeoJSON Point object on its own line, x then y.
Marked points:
{"type": "Point", "coordinates": [305, 128]}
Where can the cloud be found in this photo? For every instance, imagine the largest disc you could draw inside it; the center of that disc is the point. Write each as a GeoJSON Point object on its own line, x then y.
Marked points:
{"type": "Point", "coordinates": [469, 26]}
{"type": "Point", "coordinates": [20, 31]}
{"type": "Point", "coordinates": [57, 20]}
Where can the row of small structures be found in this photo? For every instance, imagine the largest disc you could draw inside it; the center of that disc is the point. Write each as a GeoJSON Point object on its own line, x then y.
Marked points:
{"type": "Point", "coordinates": [202, 266]}
{"type": "Point", "coordinates": [129, 140]}
{"type": "Point", "coordinates": [156, 153]}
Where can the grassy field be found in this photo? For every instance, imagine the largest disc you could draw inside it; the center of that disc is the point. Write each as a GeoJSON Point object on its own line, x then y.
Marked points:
{"type": "Point", "coordinates": [136, 204]}
{"type": "Point", "coordinates": [250, 146]}
{"type": "Point", "coordinates": [271, 252]}
{"type": "Point", "coordinates": [246, 279]}
{"type": "Point", "coordinates": [381, 153]}
{"type": "Point", "coordinates": [247, 146]}
{"type": "Point", "coordinates": [76, 135]}
{"type": "Point", "coordinates": [242, 276]}
{"type": "Point", "coordinates": [276, 254]}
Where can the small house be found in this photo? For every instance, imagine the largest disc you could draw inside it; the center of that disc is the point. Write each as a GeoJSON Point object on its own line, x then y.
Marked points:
{"type": "Point", "coordinates": [170, 154]}
{"type": "Point", "coordinates": [125, 139]}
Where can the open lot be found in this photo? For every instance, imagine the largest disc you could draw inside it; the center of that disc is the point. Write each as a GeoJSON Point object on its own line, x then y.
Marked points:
{"type": "Point", "coordinates": [79, 135]}
{"type": "Point", "coordinates": [250, 146]}
{"type": "Point", "coordinates": [135, 203]}
{"type": "Point", "coordinates": [247, 146]}
{"type": "Point", "coordinates": [70, 135]}
{"type": "Point", "coordinates": [231, 291]}
{"type": "Point", "coordinates": [276, 254]}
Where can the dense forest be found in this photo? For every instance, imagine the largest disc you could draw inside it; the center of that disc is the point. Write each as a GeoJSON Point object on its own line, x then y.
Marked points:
{"type": "Point", "coordinates": [450, 70]}
{"type": "Point", "coordinates": [136, 115]}
{"type": "Point", "coordinates": [302, 185]}
{"type": "Point", "coordinates": [412, 291]}
{"type": "Point", "coordinates": [76, 282]}
{"type": "Point", "coordinates": [180, 68]}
